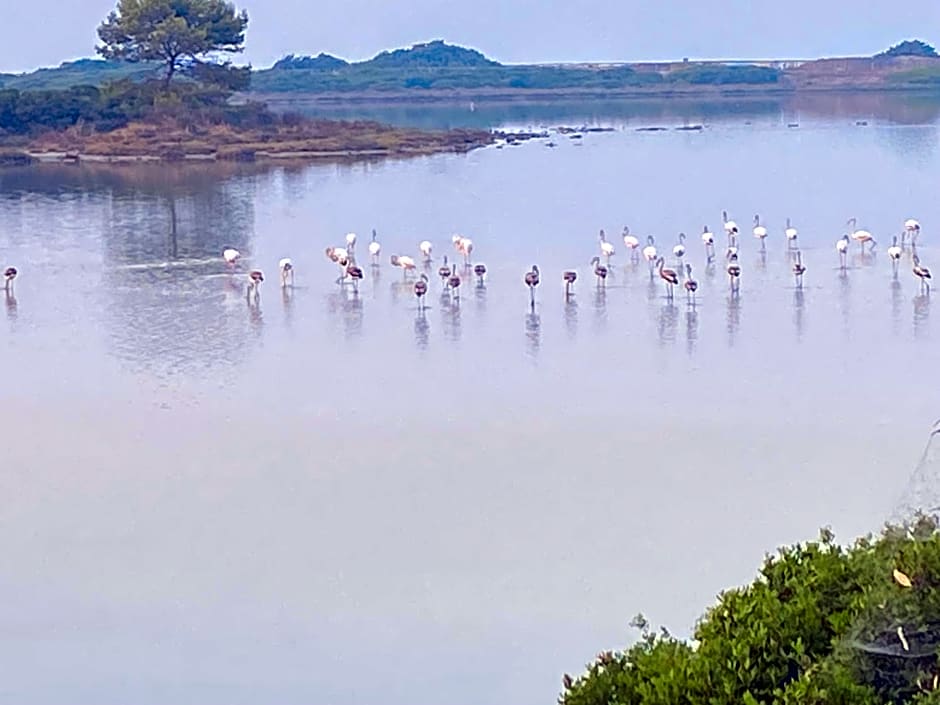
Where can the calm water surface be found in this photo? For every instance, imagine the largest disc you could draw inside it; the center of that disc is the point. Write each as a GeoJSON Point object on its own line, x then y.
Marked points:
{"type": "Point", "coordinates": [332, 498]}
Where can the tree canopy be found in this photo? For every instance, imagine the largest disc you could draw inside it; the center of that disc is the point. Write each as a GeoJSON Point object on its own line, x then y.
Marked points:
{"type": "Point", "coordinates": [911, 47]}
{"type": "Point", "coordinates": [821, 625]}
{"type": "Point", "coordinates": [178, 33]}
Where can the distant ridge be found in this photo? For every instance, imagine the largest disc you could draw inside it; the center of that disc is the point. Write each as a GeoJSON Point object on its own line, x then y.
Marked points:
{"type": "Point", "coordinates": [320, 62]}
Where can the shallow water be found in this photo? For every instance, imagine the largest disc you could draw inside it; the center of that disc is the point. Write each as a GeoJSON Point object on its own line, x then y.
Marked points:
{"type": "Point", "coordinates": [335, 498]}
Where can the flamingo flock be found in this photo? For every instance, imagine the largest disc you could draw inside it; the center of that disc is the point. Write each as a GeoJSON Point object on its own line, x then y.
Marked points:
{"type": "Point", "coordinates": [681, 274]}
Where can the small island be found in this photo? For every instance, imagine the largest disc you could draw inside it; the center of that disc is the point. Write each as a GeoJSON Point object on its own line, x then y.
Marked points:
{"type": "Point", "coordinates": [167, 100]}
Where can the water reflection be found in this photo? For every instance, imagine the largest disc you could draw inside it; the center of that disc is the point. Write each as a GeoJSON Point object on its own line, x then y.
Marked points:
{"type": "Point", "coordinates": [691, 329]}
{"type": "Point", "coordinates": [571, 317]}
{"type": "Point", "coordinates": [733, 317]}
{"type": "Point", "coordinates": [668, 323]}
{"type": "Point", "coordinates": [600, 308]}
{"type": "Point", "coordinates": [450, 317]}
{"type": "Point", "coordinates": [921, 314]}
{"type": "Point", "coordinates": [533, 333]}
{"type": "Point", "coordinates": [346, 305]}
{"type": "Point", "coordinates": [422, 330]}
{"type": "Point", "coordinates": [897, 301]}
{"type": "Point", "coordinates": [798, 313]}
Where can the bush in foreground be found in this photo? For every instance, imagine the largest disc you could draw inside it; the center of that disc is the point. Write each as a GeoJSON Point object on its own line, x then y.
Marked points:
{"type": "Point", "coordinates": [821, 625]}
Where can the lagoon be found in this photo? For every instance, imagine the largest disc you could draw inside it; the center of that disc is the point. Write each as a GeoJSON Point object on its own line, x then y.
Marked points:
{"type": "Point", "coordinates": [334, 498]}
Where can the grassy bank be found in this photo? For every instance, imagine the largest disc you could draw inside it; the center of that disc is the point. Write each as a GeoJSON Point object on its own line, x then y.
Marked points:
{"type": "Point", "coordinates": [169, 140]}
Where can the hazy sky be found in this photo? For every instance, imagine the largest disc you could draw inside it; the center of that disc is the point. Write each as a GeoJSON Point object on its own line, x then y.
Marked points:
{"type": "Point", "coordinates": [47, 32]}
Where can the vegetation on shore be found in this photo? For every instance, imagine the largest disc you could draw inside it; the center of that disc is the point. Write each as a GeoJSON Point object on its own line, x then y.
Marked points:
{"type": "Point", "coordinates": [179, 107]}
{"type": "Point", "coordinates": [821, 625]}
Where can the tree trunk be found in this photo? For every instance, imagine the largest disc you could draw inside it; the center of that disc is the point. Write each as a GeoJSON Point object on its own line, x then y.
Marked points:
{"type": "Point", "coordinates": [170, 70]}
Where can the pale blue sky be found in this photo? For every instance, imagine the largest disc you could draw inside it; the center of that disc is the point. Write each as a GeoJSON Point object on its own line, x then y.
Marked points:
{"type": "Point", "coordinates": [46, 32]}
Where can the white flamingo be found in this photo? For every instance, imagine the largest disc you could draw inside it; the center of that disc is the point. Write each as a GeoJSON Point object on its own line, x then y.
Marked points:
{"type": "Point", "coordinates": [406, 263]}
{"type": "Point", "coordinates": [708, 240]}
{"type": "Point", "coordinates": [790, 232]}
{"type": "Point", "coordinates": [231, 255]}
{"type": "Point", "coordinates": [679, 252]}
{"type": "Point", "coordinates": [607, 249]}
{"type": "Point", "coordinates": [532, 280]}
{"type": "Point", "coordinates": [895, 252]}
{"type": "Point", "coordinates": [861, 236]}
{"type": "Point", "coordinates": [375, 249]}
{"type": "Point", "coordinates": [731, 229]}
{"type": "Point", "coordinates": [842, 247]}
{"type": "Point", "coordinates": [464, 246]}
{"type": "Point", "coordinates": [631, 242]}
{"type": "Point", "coordinates": [9, 274]}
{"type": "Point", "coordinates": [911, 228]}
{"type": "Point", "coordinates": [286, 268]}
{"type": "Point", "coordinates": [425, 248]}
{"type": "Point", "coordinates": [255, 277]}
{"type": "Point", "coordinates": [351, 242]}
{"type": "Point", "coordinates": [760, 232]}
{"type": "Point", "coordinates": [649, 252]}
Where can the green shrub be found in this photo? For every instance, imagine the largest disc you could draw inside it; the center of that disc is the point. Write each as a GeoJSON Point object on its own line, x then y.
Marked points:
{"type": "Point", "coordinates": [821, 625]}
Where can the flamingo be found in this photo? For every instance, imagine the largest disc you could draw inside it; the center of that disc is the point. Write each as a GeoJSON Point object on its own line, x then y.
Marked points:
{"type": "Point", "coordinates": [790, 232]}
{"type": "Point", "coordinates": [354, 273]}
{"type": "Point", "coordinates": [731, 229]}
{"type": "Point", "coordinates": [760, 232]}
{"type": "Point", "coordinates": [912, 228]}
{"type": "Point", "coordinates": [406, 263]}
{"type": "Point", "coordinates": [351, 242]}
{"type": "Point", "coordinates": [255, 277]}
{"type": "Point", "coordinates": [734, 272]}
{"type": "Point", "coordinates": [691, 286]}
{"type": "Point", "coordinates": [923, 273]}
{"type": "Point", "coordinates": [894, 252]}
{"type": "Point", "coordinates": [631, 242]}
{"type": "Point", "coordinates": [842, 247]}
{"type": "Point", "coordinates": [679, 251]}
{"type": "Point", "coordinates": [453, 282]}
{"type": "Point", "coordinates": [708, 239]}
{"type": "Point", "coordinates": [799, 269]}
{"type": "Point", "coordinates": [569, 277]}
{"type": "Point", "coordinates": [425, 247]}
{"type": "Point", "coordinates": [9, 274]}
{"type": "Point", "coordinates": [532, 281]}
{"type": "Point", "coordinates": [480, 271]}
{"type": "Point", "coordinates": [649, 252]}
{"type": "Point", "coordinates": [669, 276]}
{"type": "Point", "coordinates": [464, 246]}
{"type": "Point", "coordinates": [444, 272]}
{"type": "Point", "coordinates": [607, 249]}
{"type": "Point", "coordinates": [286, 268]}
{"type": "Point", "coordinates": [338, 255]}
{"type": "Point", "coordinates": [375, 249]}
{"type": "Point", "coordinates": [861, 236]}
{"type": "Point", "coordinates": [600, 271]}
{"type": "Point", "coordinates": [421, 288]}
{"type": "Point", "coordinates": [231, 255]}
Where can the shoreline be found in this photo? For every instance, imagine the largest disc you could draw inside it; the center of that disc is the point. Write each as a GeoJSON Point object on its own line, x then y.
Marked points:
{"type": "Point", "coordinates": [528, 95]}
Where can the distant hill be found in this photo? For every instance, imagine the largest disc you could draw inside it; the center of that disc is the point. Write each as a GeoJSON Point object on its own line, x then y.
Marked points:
{"type": "Point", "coordinates": [320, 62]}
{"type": "Point", "coordinates": [437, 69]}
{"type": "Point", "coordinates": [432, 55]}
{"type": "Point", "coordinates": [91, 72]}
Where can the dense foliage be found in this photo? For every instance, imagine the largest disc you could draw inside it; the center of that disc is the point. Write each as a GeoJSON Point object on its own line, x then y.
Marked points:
{"type": "Point", "coordinates": [911, 47]}
{"type": "Point", "coordinates": [821, 625]}
{"type": "Point", "coordinates": [176, 33]}
{"type": "Point", "coordinates": [30, 113]}
{"type": "Point", "coordinates": [430, 54]}
{"type": "Point", "coordinates": [320, 62]}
